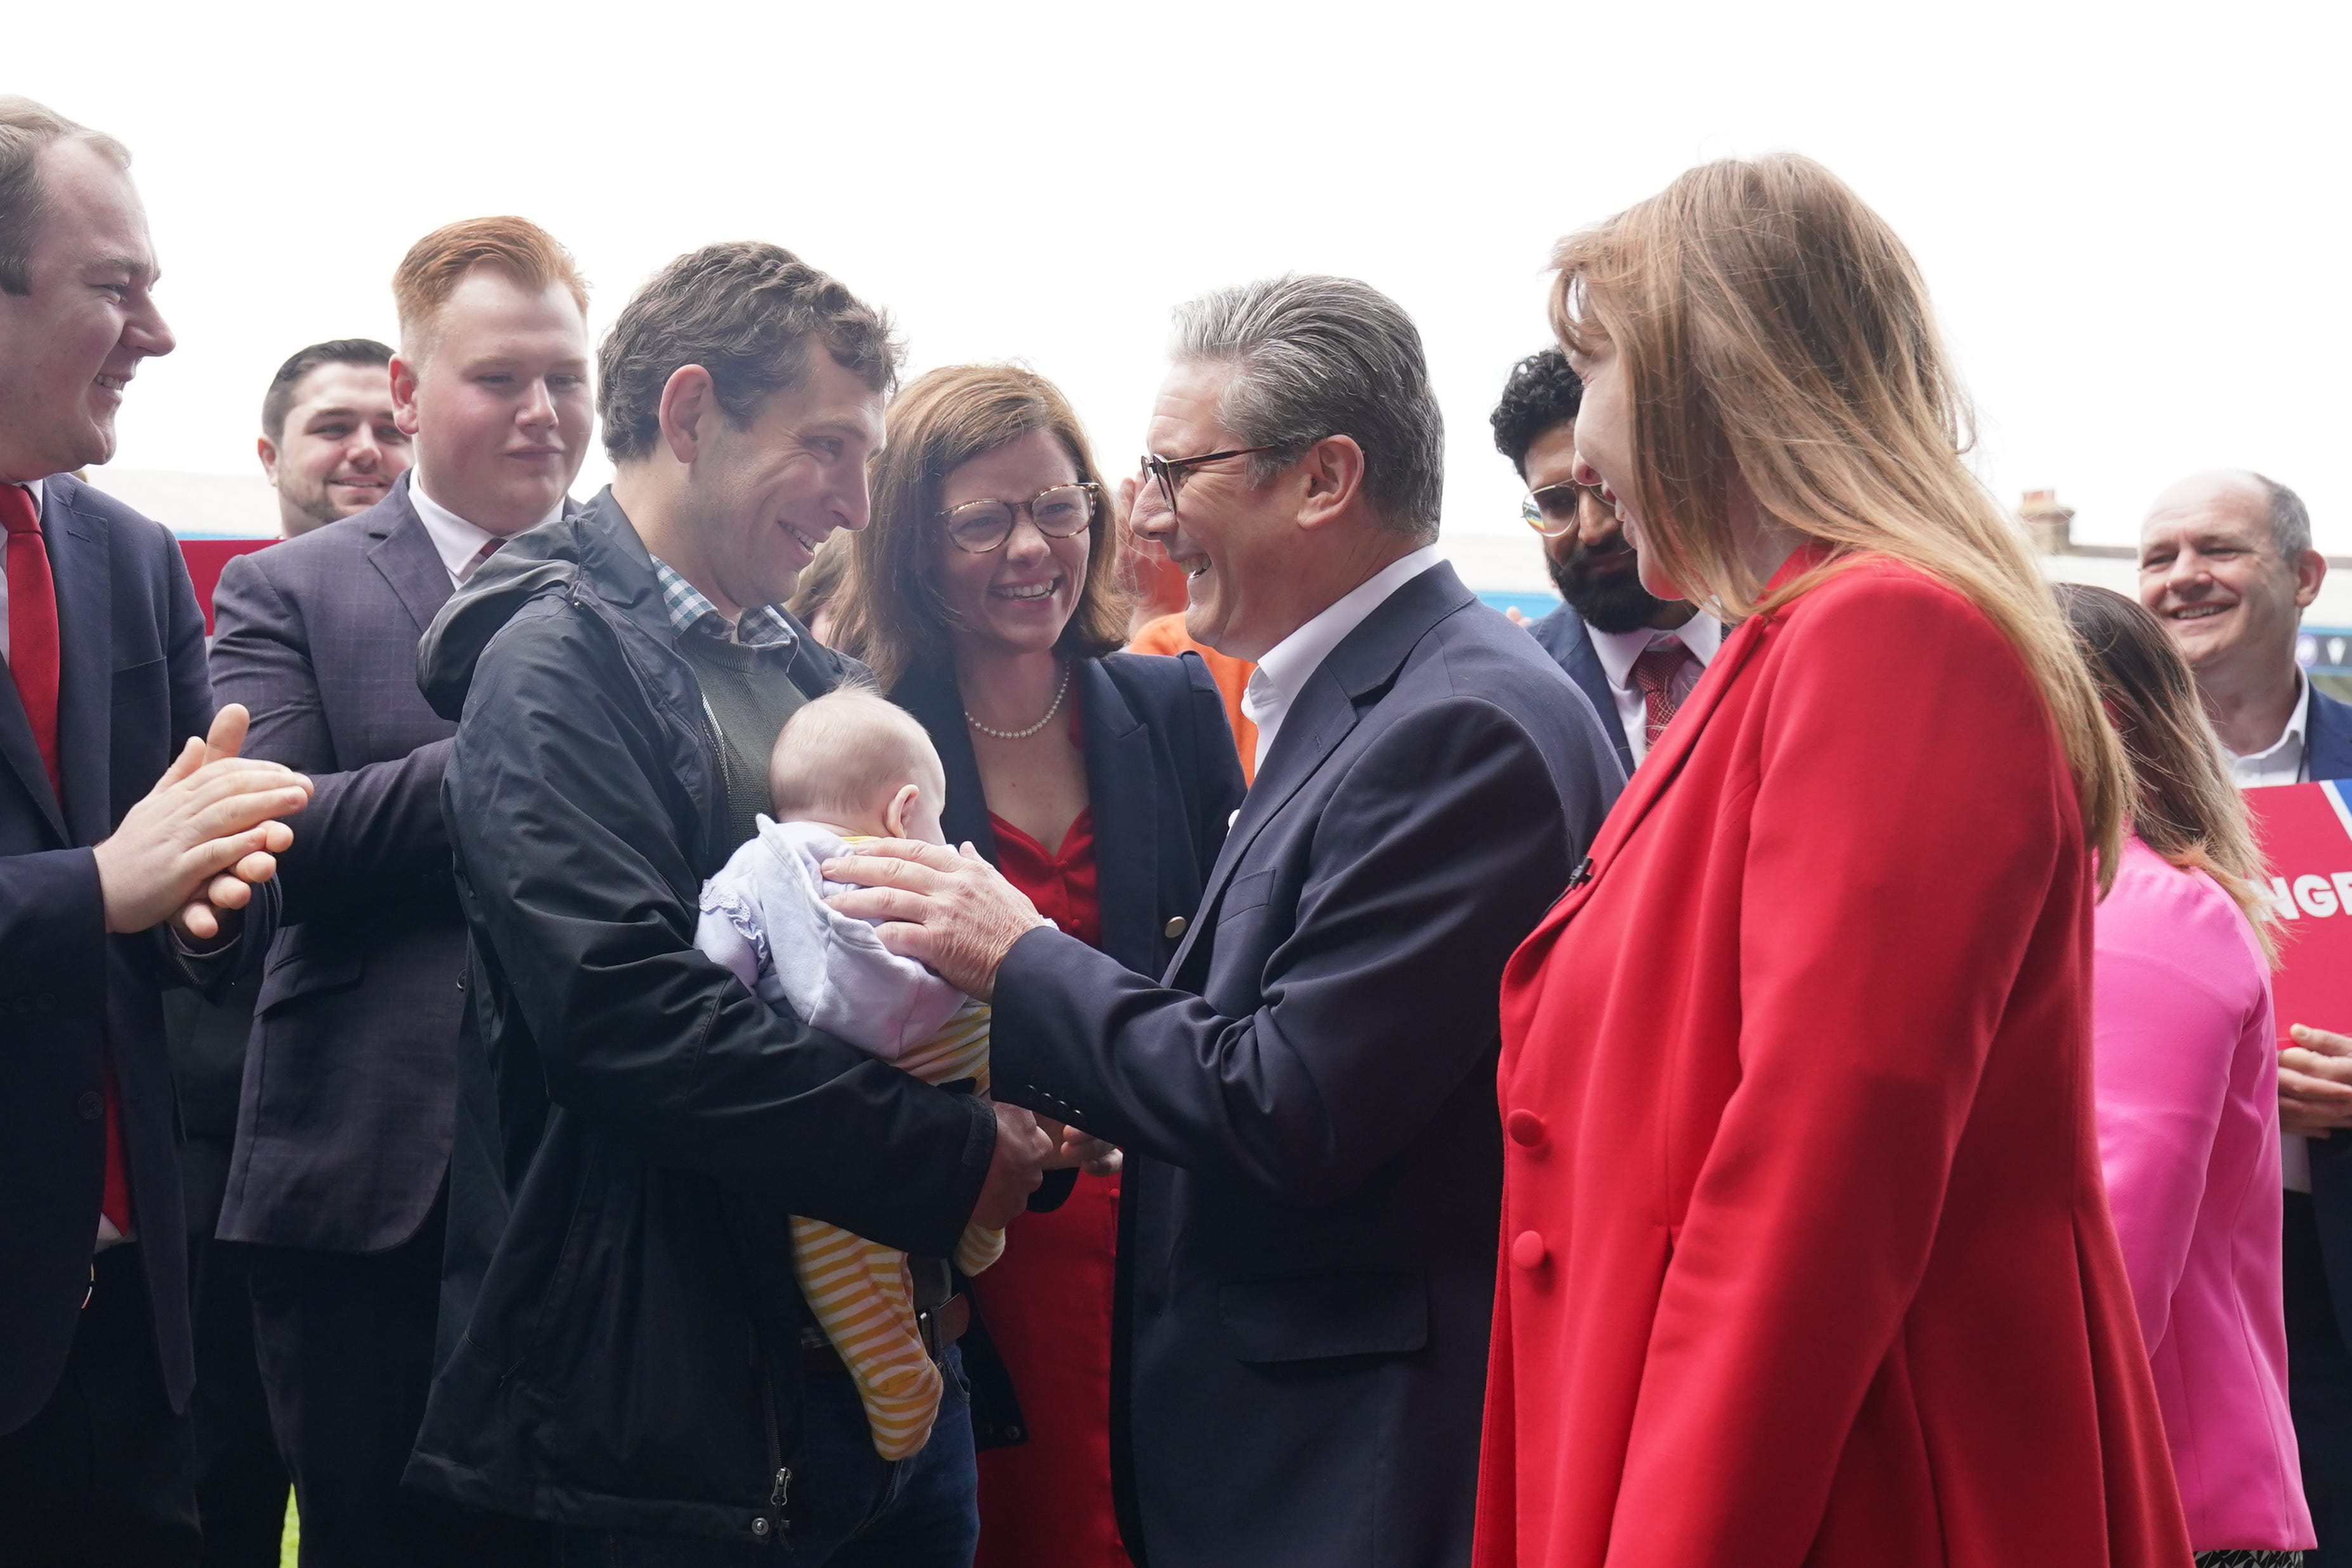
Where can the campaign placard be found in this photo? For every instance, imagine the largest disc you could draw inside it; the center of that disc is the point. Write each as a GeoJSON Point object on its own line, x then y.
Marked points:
{"type": "Point", "coordinates": [2307, 837]}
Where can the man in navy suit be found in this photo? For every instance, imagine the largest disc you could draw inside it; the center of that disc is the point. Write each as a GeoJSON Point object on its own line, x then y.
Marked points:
{"type": "Point", "coordinates": [1307, 1098]}
{"type": "Point", "coordinates": [1636, 656]}
{"type": "Point", "coordinates": [2226, 563]}
{"type": "Point", "coordinates": [348, 1113]}
{"type": "Point", "coordinates": [123, 811]}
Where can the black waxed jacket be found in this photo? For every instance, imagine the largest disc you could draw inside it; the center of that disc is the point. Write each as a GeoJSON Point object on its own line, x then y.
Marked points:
{"type": "Point", "coordinates": [643, 1126]}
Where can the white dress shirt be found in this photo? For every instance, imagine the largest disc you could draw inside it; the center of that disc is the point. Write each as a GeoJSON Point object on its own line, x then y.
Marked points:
{"type": "Point", "coordinates": [1702, 634]}
{"type": "Point", "coordinates": [1283, 673]}
{"type": "Point", "coordinates": [39, 488]}
{"type": "Point", "coordinates": [455, 539]}
{"type": "Point", "coordinates": [2281, 762]}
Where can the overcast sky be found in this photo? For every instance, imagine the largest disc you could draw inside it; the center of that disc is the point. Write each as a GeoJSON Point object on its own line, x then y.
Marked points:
{"type": "Point", "coordinates": [2133, 218]}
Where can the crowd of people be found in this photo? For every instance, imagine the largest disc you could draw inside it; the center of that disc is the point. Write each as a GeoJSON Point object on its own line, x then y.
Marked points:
{"type": "Point", "coordinates": [878, 992]}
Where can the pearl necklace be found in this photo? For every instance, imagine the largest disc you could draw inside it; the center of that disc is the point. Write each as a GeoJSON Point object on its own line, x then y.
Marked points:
{"type": "Point", "coordinates": [1059, 693]}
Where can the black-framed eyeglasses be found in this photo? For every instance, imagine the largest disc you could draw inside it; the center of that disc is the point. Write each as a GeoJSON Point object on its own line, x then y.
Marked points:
{"type": "Point", "coordinates": [1551, 511]}
{"type": "Point", "coordinates": [1060, 511]}
{"type": "Point", "coordinates": [1169, 472]}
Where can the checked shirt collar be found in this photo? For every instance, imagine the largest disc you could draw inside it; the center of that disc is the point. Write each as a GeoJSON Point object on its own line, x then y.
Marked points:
{"type": "Point", "coordinates": [764, 625]}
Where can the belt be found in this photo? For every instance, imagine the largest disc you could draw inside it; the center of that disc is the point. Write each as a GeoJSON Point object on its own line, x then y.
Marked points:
{"type": "Point", "coordinates": [939, 1327]}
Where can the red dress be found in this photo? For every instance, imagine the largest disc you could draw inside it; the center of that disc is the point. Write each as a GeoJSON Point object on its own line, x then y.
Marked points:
{"type": "Point", "coordinates": [1047, 1503]}
{"type": "Point", "coordinates": [1806, 1254]}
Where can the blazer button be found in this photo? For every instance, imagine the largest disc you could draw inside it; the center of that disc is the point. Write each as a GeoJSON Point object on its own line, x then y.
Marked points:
{"type": "Point", "coordinates": [91, 1105]}
{"type": "Point", "coordinates": [1526, 1128]}
{"type": "Point", "coordinates": [1528, 1249]}
{"type": "Point", "coordinates": [1174, 928]}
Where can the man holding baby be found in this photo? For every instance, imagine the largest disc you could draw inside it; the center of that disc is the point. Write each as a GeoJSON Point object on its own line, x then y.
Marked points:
{"type": "Point", "coordinates": [639, 1366]}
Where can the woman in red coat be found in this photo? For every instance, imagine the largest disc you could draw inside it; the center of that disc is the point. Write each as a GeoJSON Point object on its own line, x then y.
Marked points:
{"type": "Point", "coordinates": [1806, 1257]}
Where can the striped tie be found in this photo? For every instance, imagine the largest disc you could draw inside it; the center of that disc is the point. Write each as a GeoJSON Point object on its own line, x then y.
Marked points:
{"type": "Point", "coordinates": [484, 554]}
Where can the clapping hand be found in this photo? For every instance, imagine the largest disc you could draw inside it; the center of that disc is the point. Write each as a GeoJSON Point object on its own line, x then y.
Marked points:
{"type": "Point", "coordinates": [193, 850]}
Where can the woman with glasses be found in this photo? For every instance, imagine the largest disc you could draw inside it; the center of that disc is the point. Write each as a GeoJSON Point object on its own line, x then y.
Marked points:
{"type": "Point", "coordinates": [983, 595]}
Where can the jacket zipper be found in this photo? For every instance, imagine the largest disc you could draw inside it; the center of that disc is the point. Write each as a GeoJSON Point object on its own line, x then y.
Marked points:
{"type": "Point", "coordinates": [780, 1493]}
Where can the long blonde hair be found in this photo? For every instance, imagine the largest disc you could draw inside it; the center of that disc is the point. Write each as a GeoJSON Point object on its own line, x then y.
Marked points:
{"type": "Point", "coordinates": [1772, 327]}
{"type": "Point", "coordinates": [2185, 806]}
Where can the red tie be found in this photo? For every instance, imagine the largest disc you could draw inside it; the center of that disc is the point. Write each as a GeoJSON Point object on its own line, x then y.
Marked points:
{"type": "Point", "coordinates": [1655, 674]}
{"type": "Point", "coordinates": [33, 666]}
{"type": "Point", "coordinates": [32, 625]}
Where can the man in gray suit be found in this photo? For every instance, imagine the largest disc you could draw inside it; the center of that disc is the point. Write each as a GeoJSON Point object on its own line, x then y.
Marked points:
{"type": "Point", "coordinates": [348, 1111]}
{"type": "Point", "coordinates": [330, 451]}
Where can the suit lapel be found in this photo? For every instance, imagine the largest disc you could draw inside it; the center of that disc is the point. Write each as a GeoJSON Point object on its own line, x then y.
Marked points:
{"type": "Point", "coordinates": [1123, 792]}
{"type": "Point", "coordinates": [1665, 758]}
{"type": "Point", "coordinates": [404, 554]}
{"type": "Point", "coordinates": [1324, 711]}
{"type": "Point", "coordinates": [80, 558]}
{"type": "Point", "coordinates": [23, 759]}
{"type": "Point", "coordinates": [931, 696]}
{"type": "Point", "coordinates": [1582, 662]}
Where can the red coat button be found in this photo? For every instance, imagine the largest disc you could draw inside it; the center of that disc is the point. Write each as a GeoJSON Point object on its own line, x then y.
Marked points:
{"type": "Point", "coordinates": [1525, 1127]}
{"type": "Point", "coordinates": [1528, 1249]}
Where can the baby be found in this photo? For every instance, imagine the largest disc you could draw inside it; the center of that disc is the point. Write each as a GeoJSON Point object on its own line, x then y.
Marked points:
{"type": "Point", "coordinates": [849, 767]}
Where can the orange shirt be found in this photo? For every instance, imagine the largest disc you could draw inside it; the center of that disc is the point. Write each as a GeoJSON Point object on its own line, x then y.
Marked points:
{"type": "Point", "coordinates": [1166, 635]}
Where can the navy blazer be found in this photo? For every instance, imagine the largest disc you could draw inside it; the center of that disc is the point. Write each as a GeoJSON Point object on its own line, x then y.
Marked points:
{"type": "Point", "coordinates": [348, 1105]}
{"type": "Point", "coordinates": [1564, 636]}
{"type": "Point", "coordinates": [1306, 1101]}
{"type": "Point", "coordinates": [1162, 780]}
{"type": "Point", "coordinates": [2327, 736]}
{"type": "Point", "coordinates": [2327, 745]}
{"type": "Point", "coordinates": [131, 690]}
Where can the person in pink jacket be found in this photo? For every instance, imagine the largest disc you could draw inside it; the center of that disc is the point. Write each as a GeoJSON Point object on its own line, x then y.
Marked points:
{"type": "Point", "coordinates": [2186, 1059]}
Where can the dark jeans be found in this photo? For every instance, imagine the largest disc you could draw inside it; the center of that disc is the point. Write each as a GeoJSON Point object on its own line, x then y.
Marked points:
{"type": "Point", "coordinates": [2319, 1387]}
{"type": "Point", "coordinates": [105, 1474]}
{"type": "Point", "coordinates": [241, 1482]}
{"type": "Point", "coordinates": [345, 1341]}
{"type": "Point", "coordinates": [851, 1508]}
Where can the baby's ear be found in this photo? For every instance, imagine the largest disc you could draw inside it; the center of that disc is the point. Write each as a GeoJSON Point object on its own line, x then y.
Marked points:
{"type": "Point", "coordinates": [896, 818]}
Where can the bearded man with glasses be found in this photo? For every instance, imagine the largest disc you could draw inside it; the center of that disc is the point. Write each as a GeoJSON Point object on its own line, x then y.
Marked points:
{"type": "Point", "coordinates": [1636, 656]}
{"type": "Point", "coordinates": [1305, 1090]}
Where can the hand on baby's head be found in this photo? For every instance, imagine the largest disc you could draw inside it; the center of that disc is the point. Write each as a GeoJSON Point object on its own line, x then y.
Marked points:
{"type": "Point", "coordinates": [857, 762]}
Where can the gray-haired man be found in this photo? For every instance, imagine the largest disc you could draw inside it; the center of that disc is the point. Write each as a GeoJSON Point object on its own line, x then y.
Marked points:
{"type": "Point", "coordinates": [1306, 1099]}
